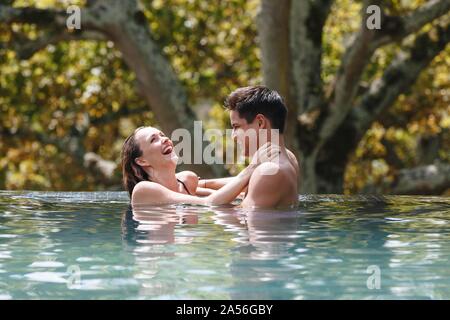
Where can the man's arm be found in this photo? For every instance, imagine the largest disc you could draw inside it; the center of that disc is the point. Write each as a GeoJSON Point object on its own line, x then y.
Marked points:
{"type": "Point", "coordinates": [264, 190]}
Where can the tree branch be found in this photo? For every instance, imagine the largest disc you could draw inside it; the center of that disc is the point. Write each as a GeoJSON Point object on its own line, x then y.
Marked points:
{"type": "Point", "coordinates": [361, 49]}
{"type": "Point", "coordinates": [397, 28]}
{"type": "Point", "coordinates": [105, 167]}
{"type": "Point", "coordinates": [122, 112]}
{"type": "Point", "coordinates": [399, 77]}
{"type": "Point", "coordinates": [305, 27]}
{"type": "Point", "coordinates": [31, 15]}
{"type": "Point", "coordinates": [430, 179]}
{"type": "Point", "coordinates": [346, 83]}
{"type": "Point", "coordinates": [126, 25]}
{"type": "Point", "coordinates": [71, 145]}
{"type": "Point", "coordinates": [25, 48]}
{"type": "Point", "coordinates": [48, 17]}
{"type": "Point", "coordinates": [92, 28]}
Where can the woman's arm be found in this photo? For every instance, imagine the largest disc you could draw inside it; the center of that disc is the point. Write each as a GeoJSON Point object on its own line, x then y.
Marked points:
{"type": "Point", "coordinates": [233, 188]}
{"type": "Point", "coordinates": [214, 183]}
{"type": "Point", "coordinates": [151, 193]}
{"type": "Point", "coordinates": [203, 192]}
{"type": "Point", "coordinates": [207, 186]}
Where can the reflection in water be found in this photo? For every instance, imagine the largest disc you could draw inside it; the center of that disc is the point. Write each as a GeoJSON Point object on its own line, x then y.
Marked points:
{"type": "Point", "coordinates": [149, 231]}
{"type": "Point", "coordinates": [258, 263]}
{"type": "Point", "coordinates": [321, 250]}
{"type": "Point", "coordinates": [156, 225]}
{"type": "Point", "coordinates": [272, 254]}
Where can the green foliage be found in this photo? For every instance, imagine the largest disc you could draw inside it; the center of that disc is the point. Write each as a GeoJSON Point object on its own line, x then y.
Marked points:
{"type": "Point", "coordinates": [394, 142]}
{"type": "Point", "coordinates": [211, 45]}
{"type": "Point", "coordinates": [85, 91]}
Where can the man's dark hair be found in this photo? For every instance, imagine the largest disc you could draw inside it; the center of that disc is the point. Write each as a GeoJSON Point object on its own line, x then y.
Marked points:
{"type": "Point", "coordinates": [254, 100]}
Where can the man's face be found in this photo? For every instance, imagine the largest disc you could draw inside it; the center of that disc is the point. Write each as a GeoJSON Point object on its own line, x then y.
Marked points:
{"type": "Point", "coordinates": [244, 133]}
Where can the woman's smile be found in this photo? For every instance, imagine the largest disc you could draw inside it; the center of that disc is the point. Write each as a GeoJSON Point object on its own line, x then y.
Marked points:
{"type": "Point", "coordinates": [167, 149]}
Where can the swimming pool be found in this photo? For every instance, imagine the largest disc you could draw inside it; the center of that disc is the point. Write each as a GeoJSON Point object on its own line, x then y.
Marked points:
{"type": "Point", "coordinates": [91, 246]}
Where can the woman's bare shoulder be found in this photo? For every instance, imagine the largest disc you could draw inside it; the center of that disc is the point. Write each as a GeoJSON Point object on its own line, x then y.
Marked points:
{"type": "Point", "coordinates": [190, 179]}
{"type": "Point", "coordinates": [187, 174]}
{"type": "Point", "coordinates": [146, 190]}
{"type": "Point", "coordinates": [146, 185]}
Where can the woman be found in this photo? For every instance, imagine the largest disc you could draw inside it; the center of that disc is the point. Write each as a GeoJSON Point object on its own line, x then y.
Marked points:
{"type": "Point", "coordinates": [149, 163]}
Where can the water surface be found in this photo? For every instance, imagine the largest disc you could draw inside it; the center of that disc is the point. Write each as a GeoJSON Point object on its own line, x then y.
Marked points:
{"type": "Point", "coordinates": [92, 246]}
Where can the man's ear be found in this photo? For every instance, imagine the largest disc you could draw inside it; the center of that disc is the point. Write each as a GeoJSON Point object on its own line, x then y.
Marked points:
{"type": "Point", "coordinates": [261, 121]}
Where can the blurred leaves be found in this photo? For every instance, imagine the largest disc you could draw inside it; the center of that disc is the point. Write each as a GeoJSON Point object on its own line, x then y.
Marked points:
{"type": "Point", "coordinates": [83, 90]}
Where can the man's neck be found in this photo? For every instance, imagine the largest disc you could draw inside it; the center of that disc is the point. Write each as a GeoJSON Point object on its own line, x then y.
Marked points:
{"type": "Point", "coordinates": [275, 142]}
{"type": "Point", "coordinates": [278, 142]}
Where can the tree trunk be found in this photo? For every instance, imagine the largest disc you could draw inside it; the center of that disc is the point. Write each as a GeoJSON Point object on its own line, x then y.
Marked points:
{"type": "Point", "coordinates": [322, 130]}
{"type": "Point", "coordinates": [126, 25]}
{"type": "Point", "coordinates": [157, 81]}
{"type": "Point", "coordinates": [325, 129]}
{"type": "Point", "coordinates": [426, 180]}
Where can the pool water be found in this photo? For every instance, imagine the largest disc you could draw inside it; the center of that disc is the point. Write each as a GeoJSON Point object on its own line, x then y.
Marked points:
{"type": "Point", "coordinates": [92, 246]}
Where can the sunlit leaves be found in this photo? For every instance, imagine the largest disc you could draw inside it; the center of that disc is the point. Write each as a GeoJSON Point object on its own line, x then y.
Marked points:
{"type": "Point", "coordinates": [85, 89]}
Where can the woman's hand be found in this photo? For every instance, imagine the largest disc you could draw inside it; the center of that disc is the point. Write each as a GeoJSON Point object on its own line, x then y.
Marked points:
{"type": "Point", "coordinates": [151, 193]}
{"type": "Point", "coordinates": [266, 153]}
{"type": "Point", "coordinates": [229, 192]}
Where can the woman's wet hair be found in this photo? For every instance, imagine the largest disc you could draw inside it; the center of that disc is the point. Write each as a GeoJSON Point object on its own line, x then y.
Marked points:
{"type": "Point", "coordinates": [132, 173]}
{"type": "Point", "coordinates": [129, 227]}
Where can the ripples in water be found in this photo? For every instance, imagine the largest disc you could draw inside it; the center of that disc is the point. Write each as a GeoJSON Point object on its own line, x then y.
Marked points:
{"type": "Point", "coordinates": [83, 245]}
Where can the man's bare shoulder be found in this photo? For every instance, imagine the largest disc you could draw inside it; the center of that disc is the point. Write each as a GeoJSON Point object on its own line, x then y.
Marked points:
{"type": "Point", "coordinates": [267, 173]}
{"type": "Point", "coordinates": [272, 184]}
{"type": "Point", "coordinates": [273, 177]}
{"type": "Point", "coordinates": [263, 187]}
{"type": "Point", "coordinates": [293, 160]}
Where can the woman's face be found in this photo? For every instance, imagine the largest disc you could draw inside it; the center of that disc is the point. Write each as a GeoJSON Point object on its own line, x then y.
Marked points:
{"type": "Point", "coordinates": [157, 149]}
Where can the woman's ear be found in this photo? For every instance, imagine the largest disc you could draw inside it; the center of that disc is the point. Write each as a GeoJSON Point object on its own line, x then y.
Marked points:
{"type": "Point", "coordinates": [141, 162]}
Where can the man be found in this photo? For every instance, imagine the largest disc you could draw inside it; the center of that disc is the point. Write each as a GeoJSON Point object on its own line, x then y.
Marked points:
{"type": "Point", "coordinates": [255, 110]}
